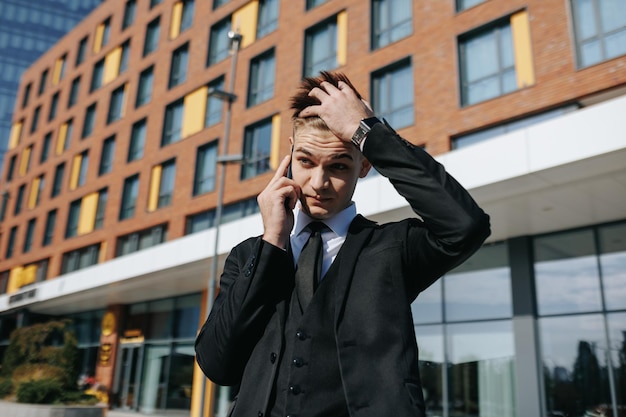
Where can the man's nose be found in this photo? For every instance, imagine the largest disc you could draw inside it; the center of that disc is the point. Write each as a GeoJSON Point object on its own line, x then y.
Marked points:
{"type": "Point", "coordinates": [319, 179]}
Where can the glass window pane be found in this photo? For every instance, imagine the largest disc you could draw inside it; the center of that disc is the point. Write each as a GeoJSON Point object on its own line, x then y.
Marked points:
{"type": "Point", "coordinates": [430, 343]}
{"type": "Point", "coordinates": [481, 369]}
{"type": "Point", "coordinates": [427, 308]}
{"type": "Point", "coordinates": [566, 273]}
{"type": "Point", "coordinates": [160, 319]}
{"type": "Point", "coordinates": [613, 265]}
{"type": "Point", "coordinates": [481, 287]}
{"type": "Point", "coordinates": [574, 359]}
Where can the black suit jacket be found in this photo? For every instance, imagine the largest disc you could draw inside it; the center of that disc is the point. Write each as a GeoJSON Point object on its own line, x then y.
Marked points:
{"type": "Point", "coordinates": [382, 270]}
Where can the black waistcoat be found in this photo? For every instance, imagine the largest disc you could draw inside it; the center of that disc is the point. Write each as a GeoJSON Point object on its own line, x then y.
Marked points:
{"type": "Point", "coordinates": [309, 383]}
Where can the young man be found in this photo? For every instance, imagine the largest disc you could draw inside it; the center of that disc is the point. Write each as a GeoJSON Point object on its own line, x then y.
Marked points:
{"type": "Point", "coordinates": [349, 348]}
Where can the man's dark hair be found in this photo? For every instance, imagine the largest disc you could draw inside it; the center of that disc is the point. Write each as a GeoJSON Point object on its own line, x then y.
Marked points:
{"type": "Point", "coordinates": [302, 100]}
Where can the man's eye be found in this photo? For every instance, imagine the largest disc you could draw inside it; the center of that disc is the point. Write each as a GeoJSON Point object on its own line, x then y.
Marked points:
{"type": "Point", "coordinates": [340, 167]}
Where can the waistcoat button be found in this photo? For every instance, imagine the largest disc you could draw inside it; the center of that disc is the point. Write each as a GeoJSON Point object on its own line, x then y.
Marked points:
{"type": "Point", "coordinates": [294, 389]}
{"type": "Point", "coordinates": [300, 335]}
{"type": "Point", "coordinates": [273, 357]}
{"type": "Point", "coordinates": [298, 362]}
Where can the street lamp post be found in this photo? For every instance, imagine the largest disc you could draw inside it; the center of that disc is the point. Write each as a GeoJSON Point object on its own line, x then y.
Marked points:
{"type": "Point", "coordinates": [223, 159]}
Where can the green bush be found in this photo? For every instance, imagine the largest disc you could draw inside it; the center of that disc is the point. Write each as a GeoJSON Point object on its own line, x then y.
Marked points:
{"type": "Point", "coordinates": [43, 391]}
{"type": "Point", "coordinates": [6, 387]}
{"type": "Point", "coordinates": [79, 397]}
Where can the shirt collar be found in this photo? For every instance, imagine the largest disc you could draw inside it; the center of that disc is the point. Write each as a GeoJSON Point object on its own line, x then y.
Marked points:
{"type": "Point", "coordinates": [339, 223]}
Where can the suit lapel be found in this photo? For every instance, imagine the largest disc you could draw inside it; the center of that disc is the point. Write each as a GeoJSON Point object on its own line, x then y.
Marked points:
{"type": "Point", "coordinates": [358, 234]}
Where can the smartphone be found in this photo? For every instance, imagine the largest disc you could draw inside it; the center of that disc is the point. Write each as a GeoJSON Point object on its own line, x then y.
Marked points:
{"type": "Point", "coordinates": [289, 173]}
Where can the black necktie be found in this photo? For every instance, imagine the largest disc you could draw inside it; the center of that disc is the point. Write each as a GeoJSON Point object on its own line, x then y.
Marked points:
{"type": "Point", "coordinates": [309, 266]}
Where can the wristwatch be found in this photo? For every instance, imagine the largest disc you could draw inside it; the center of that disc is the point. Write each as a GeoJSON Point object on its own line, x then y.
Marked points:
{"type": "Point", "coordinates": [363, 130]}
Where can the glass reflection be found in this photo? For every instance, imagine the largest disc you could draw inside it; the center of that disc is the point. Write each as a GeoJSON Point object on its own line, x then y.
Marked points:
{"type": "Point", "coordinates": [427, 306]}
{"type": "Point", "coordinates": [430, 344]}
{"type": "Point", "coordinates": [613, 265]}
{"type": "Point", "coordinates": [481, 369]}
{"type": "Point", "coordinates": [566, 273]}
{"type": "Point", "coordinates": [574, 354]}
{"type": "Point", "coordinates": [481, 287]}
{"type": "Point", "coordinates": [617, 349]}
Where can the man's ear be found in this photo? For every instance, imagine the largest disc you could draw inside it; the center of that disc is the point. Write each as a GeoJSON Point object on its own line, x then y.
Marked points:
{"type": "Point", "coordinates": [291, 140]}
{"type": "Point", "coordinates": [365, 168]}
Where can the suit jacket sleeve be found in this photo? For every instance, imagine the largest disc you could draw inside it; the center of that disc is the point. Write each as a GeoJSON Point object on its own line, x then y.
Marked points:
{"type": "Point", "coordinates": [256, 275]}
{"type": "Point", "coordinates": [453, 227]}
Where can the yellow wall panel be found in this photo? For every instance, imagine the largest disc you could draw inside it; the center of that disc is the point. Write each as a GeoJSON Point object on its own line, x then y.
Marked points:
{"type": "Point", "coordinates": [195, 109]}
{"type": "Point", "coordinates": [177, 14]}
{"type": "Point", "coordinates": [342, 38]}
{"type": "Point", "coordinates": [15, 279]}
{"type": "Point", "coordinates": [275, 147]}
{"type": "Point", "coordinates": [520, 27]}
{"type": "Point", "coordinates": [75, 171]}
{"type": "Point", "coordinates": [29, 274]}
{"type": "Point", "coordinates": [88, 206]}
{"type": "Point", "coordinates": [112, 65]}
{"type": "Point", "coordinates": [34, 192]}
{"type": "Point", "coordinates": [244, 20]}
{"type": "Point", "coordinates": [155, 183]}
{"type": "Point", "coordinates": [61, 139]}
{"type": "Point", "coordinates": [16, 133]}
{"type": "Point", "coordinates": [56, 72]}
{"type": "Point", "coordinates": [24, 161]}
{"type": "Point", "coordinates": [97, 41]}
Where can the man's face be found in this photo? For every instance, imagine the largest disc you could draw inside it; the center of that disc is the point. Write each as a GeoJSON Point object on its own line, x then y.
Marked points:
{"type": "Point", "coordinates": [326, 169]}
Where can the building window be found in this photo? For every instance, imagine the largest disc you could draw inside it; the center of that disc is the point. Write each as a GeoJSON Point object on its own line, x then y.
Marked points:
{"type": "Point", "coordinates": [45, 148]}
{"type": "Point", "coordinates": [256, 149]}
{"type": "Point", "coordinates": [26, 157]}
{"type": "Point", "coordinates": [82, 168]}
{"type": "Point", "coordinates": [389, 94]}
{"type": "Point", "coordinates": [11, 243]}
{"type": "Point", "coordinates": [26, 96]}
{"type": "Point", "coordinates": [103, 196]}
{"type": "Point", "coordinates": [65, 136]}
{"type": "Point", "coordinates": [391, 21]}
{"type": "Point", "coordinates": [59, 70]}
{"type": "Point", "coordinates": [581, 323]}
{"type": "Point", "coordinates": [48, 234]}
{"type": "Point", "coordinates": [466, 4]}
{"type": "Point", "coordinates": [116, 104]}
{"type": "Point", "coordinates": [314, 3]}
{"type": "Point", "coordinates": [219, 42]}
{"type": "Point", "coordinates": [82, 51]}
{"type": "Point", "coordinates": [144, 88]}
{"type": "Point", "coordinates": [57, 182]}
{"type": "Point", "coordinates": [320, 47]}
{"type": "Point", "coordinates": [130, 8]}
{"type": "Point", "coordinates": [74, 90]}
{"type": "Point", "coordinates": [487, 64]}
{"type": "Point", "coordinates": [178, 68]}
{"type": "Point", "coordinates": [11, 168]}
{"type": "Point", "coordinates": [186, 19]}
{"type": "Point", "coordinates": [54, 103]}
{"type": "Point", "coordinates": [35, 123]}
{"type": "Point", "coordinates": [268, 17]}
{"type": "Point", "coordinates": [231, 212]}
{"type": "Point", "coordinates": [218, 3]}
{"type": "Point", "coordinates": [39, 183]}
{"type": "Point", "coordinates": [173, 124]}
{"type": "Point", "coordinates": [73, 217]}
{"type": "Point", "coordinates": [97, 75]}
{"type": "Point", "coordinates": [42, 82]}
{"type": "Point", "coordinates": [206, 164]}
{"type": "Point", "coordinates": [106, 32]}
{"type": "Point", "coordinates": [600, 28]}
{"type": "Point", "coordinates": [5, 196]}
{"type": "Point", "coordinates": [28, 238]}
{"type": "Point", "coordinates": [152, 37]}
{"type": "Point", "coordinates": [129, 197]}
{"type": "Point", "coordinates": [19, 201]}
{"type": "Point", "coordinates": [90, 121]}
{"type": "Point", "coordinates": [166, 185]}
{"type": "Point", "coordinates": [80, 258]}
{"type": "Point", "coordinates": [125, 57]}
{"type": "Point", "coordinates": [143, 239]}
{"type": "Point", "coordinates": [106, 157]}
{"type": "Point", "coordinates": [214, 105]}
{"type": "Point", "coordinates": [137, 141]}
{"type": "Point", "coordinates": [262, 75]}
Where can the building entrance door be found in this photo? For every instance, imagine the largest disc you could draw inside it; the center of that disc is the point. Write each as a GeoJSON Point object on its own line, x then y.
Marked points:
{"type": "Point", "coordinates": [128, 386]}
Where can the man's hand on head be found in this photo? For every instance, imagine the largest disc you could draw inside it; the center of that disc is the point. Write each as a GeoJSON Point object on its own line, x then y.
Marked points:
{"type": "Point", "coordinates": [339, 108]}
